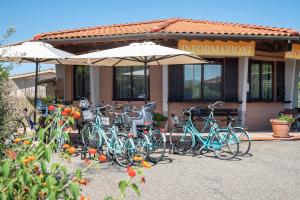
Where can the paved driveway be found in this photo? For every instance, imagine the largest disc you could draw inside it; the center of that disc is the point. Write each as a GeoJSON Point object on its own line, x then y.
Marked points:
{"type": "Point", "coordinates": [272, 172]}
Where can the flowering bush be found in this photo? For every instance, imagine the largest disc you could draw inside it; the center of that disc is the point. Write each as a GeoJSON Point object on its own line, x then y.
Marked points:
{"type": "Point", "coordinates": [27, 171]}
{"type": "Point", "coordinates": [286, 117]}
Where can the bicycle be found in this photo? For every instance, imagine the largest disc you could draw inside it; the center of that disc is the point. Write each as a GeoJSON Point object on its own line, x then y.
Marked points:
{"type": "Point", "coordinates": [118, 146]}
{"type": "Point", "coordinates": [151, 143]}
{"type": "Point", "coordinates": [185, 138]}
{"type": "Point", "coordinates": [241, 134]}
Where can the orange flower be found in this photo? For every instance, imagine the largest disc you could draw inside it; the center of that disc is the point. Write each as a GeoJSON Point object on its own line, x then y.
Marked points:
{"type": "Point", "coordinates": [84, 198]}
{"type": "Point", "coordinates": [131, 172]}
{"type": "Point", "coordinates": [31, 158]}
{"type": "Point", "coordinates": [11, 154]}
{"type": "Point", "coordinates": [17, 140]}
{"type": "Point", "coordinates": [76, 115]}
{"type": "Point", "coordinates": [92, 151]}
{"type": "Point", "coordinates": [87, 161]}
{"type": "Point", "coordinates": [102, 158]}
{"type": "Point", "coordinates": [26, 142]}
{"type": "Point", "coordinates": [26, 161]}
{"type": "Point", "coordinates": [145, 164]}
{"type": "Point", "coordinates": [83, 182]}
{"type": "Point", "coordinates": [71, 150]}
{"type": "Point", "coordinates": [66, 146]}
{"type": "Point", "coordinates": [67, 110]}
{"type": "Point", "coordinates": [36, 167]}
{"type": "Point", "coordinates": [138, 158]}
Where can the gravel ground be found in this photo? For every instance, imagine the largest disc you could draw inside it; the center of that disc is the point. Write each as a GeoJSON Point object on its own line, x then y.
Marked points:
{"type": "Point", "coordinates": [272, 171]}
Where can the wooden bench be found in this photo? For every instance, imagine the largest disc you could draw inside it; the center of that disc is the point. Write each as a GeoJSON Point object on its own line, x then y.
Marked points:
{"type": "Point", "coordinates": [223, 112]}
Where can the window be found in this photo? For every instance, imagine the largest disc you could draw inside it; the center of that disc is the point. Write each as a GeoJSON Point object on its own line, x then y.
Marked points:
{"type": "Point", "coordinates": [203, 82]}
{"type": "Point", "coordinates": [81, 81]}
{"type": "Point", "coordinates": [129, 83]}
{"type": "Point", "coordinates": [260, 81]}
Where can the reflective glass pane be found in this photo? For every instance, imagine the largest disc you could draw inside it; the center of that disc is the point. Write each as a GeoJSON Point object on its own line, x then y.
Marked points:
{"type": "Point", "coordinates": [266, 76]}
{"type": "Point", "coordinates": [212, 85]}
{"type": "Point", "coordinates": [81, 81]}
{"type": "Point", "coordinates": [138, 82]}
{"type": "Point", "coordinates": [254, 87]}
{"type": "Point", "coordinates": [122, 78]}
{"type": "Point", "coordinates": [192, 82]}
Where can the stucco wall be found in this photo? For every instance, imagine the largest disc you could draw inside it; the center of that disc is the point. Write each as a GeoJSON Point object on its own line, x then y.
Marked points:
{"type": "Point", "coordinates": [258, 115]}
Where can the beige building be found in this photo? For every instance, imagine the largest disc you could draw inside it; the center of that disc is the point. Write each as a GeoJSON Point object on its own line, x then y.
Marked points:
{"type": "Point", "coordinates": [252, 68]}
{"type": "Point", "coordinates": [23, 84]}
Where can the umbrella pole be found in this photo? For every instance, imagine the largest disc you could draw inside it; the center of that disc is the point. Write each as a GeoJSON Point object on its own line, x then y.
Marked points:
{"type": "Point", "coordinates": [35, 88]}
{"type": "Point", "coordinates": [145, 83]}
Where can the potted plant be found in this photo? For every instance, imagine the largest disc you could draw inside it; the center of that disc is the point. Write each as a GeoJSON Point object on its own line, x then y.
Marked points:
{"type": "Point", "coordinates": [281, 126]}
{"type": "Point", "coordinates": [160, 120]}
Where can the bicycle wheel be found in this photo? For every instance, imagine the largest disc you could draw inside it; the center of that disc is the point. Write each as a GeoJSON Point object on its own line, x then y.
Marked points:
{"type": "Point", "coordinates": [243, 139]}
{"type": "Point", "coordinates": [123, 150]}
{"type": "Point", "coordinates": [224, 145]}
{"type": "Point", "coordinates": [157, 146]}
{"type": "Point", "coordinates": [142, 144]}
{"type": "Point", "coordinates": [90, 138]}
{"type": "Point", "coordinates": [181, 141]}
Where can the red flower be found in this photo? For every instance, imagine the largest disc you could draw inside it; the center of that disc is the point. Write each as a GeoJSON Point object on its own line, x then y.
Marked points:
{"type": "Point", "coordinates": [146, 131]}
{"type": "Point", "coordinates": [92, 151]}
{"type": "Point", "coordinates": [63, 113]}
{"type": "Point", "coordinates": [51, 108]}
{"type": "Point", "coordinates": [130, 135]}
{"type": "Point", "coordinates": [131, 173]}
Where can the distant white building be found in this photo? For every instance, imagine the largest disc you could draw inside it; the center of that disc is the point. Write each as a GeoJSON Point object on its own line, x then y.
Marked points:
{"type": "Point", "coordinates": [23, 84]}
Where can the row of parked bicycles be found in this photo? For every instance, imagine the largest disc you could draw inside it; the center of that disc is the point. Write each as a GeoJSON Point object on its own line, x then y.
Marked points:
{"type": "Point", "coordinates": [122, 132]}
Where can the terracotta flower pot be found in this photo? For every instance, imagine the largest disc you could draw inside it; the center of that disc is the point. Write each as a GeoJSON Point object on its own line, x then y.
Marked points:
{"type": "Point", "coordinates": [281, 129]}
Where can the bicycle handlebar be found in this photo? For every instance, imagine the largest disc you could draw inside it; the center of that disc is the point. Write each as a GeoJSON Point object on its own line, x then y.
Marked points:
{"type": "Point", "coordinates": [214, 105]}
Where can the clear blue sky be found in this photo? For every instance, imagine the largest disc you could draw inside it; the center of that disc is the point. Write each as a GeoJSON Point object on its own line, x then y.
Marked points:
{"type": "Point", "coordinates": [31, 16]}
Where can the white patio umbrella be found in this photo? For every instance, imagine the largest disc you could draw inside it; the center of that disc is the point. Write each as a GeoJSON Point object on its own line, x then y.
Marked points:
{"type": "Point", "coordinates": [138, 54]}
{"type": "Point", "coordinates": [35, 52]}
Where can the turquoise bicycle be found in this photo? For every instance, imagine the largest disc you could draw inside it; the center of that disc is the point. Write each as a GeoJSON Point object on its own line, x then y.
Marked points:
{"type": "Point", "coordinates": [185, 138]}
{"type": "Point", "coordinates": [202, 124]}
{"type": "Point", "coordinates": [116, 146]}
{"type": "Point", "coordinates": [150, 143]}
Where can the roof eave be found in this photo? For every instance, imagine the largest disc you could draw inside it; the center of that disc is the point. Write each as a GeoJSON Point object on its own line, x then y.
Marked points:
{"type": "Point", "coordinates": [147, 36]}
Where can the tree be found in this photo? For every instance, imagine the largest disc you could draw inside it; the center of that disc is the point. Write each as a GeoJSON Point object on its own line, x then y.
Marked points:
{"type": "Point", "coordinates": [6, 102]}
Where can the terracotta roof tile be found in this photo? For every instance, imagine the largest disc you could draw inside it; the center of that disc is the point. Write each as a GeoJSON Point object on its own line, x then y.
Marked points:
{"type": "Point", "coordinates": [172, 25]}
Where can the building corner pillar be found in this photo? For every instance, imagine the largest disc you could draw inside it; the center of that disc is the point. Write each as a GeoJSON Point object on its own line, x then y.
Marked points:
{"type": "Point", "coordinates": [95, 84]}
{"type": "Point", "coordinates": [165, 106]}
{"type": "Point", "coordinates": [243, 88]}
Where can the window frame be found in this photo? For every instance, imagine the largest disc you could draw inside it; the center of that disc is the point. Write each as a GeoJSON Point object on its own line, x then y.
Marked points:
{"type": "Point", "coordinates": [83, 82]}
{"type": "Point", "coordinates": [131, 86]}
{"type": "Point", "coordinates": [260, 63]}
{"type": "Point", "coordinates": [202, 99]}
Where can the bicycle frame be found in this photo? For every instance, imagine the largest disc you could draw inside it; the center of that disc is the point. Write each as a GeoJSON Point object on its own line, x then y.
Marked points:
{"type": "Point", "coordinates": [189, 128]}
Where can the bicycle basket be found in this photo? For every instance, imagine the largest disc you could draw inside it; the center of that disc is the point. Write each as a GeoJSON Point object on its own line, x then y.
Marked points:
{"type": "Point", "coordinates": [87, 115]}
{"type": "Point", "coordinates": [178, 120]}
{"type": "Point", "coordinates": [105, 121]}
